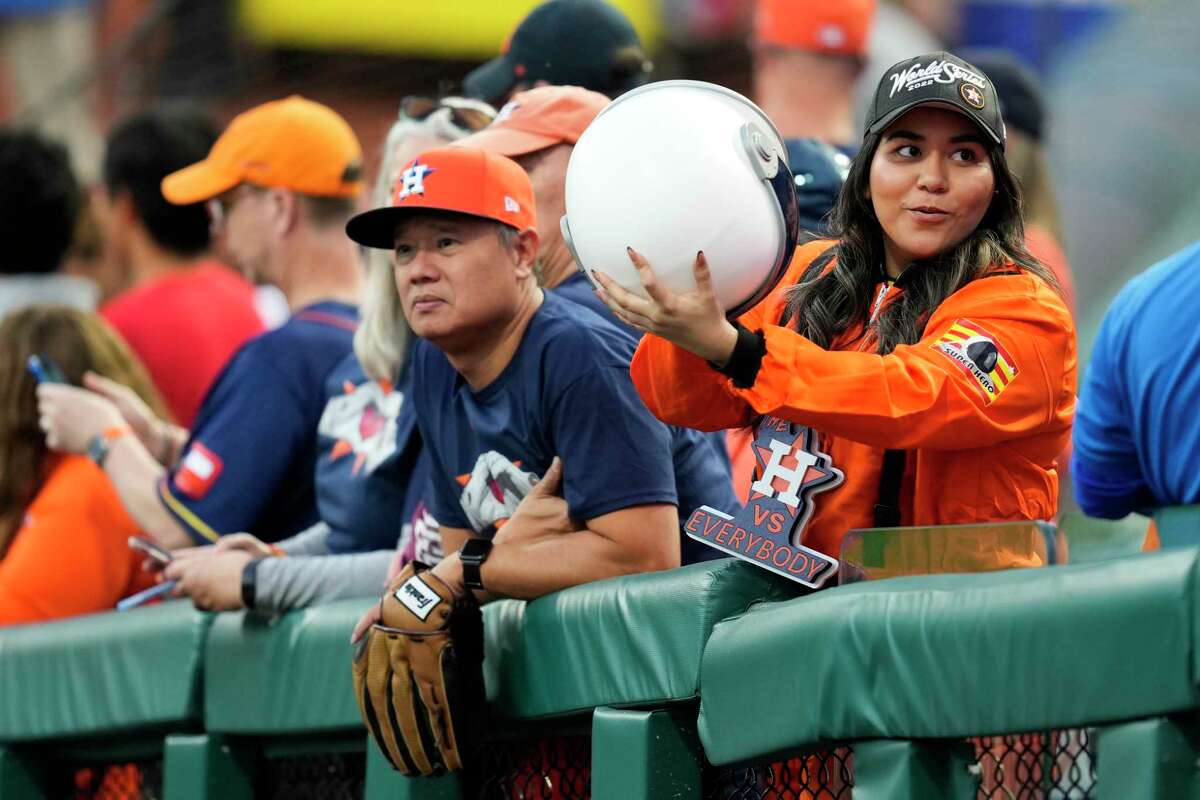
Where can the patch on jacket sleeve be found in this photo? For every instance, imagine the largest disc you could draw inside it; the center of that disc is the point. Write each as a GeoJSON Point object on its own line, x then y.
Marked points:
{"type": "Point", "coordinates": [977, 353]}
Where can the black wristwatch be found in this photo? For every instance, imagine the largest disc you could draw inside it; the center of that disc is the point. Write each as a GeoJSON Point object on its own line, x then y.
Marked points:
{"type": "Point", "coordinates": [472, 555]}
{"type": "Point", "coordinates": [250, 583]}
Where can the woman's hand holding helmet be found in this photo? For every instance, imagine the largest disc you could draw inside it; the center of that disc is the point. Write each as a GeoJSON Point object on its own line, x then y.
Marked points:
{"type": "Point", "coordinates": [692, 320]}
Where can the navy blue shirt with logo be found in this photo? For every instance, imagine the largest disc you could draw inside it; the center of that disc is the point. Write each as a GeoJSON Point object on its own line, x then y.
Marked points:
{"type": "Point", "coordinates": [566, 392]}
{"type": "Point", "coordinates": [368, 449]}
{"type": "Point", "coordinates": [250, 460]}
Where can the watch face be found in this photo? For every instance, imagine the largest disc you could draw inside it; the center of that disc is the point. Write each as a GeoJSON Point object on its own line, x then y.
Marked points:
{"type": "Point", "coordinates": [97, 450]}
{"type": "Point", "coordinates": [475, 549]}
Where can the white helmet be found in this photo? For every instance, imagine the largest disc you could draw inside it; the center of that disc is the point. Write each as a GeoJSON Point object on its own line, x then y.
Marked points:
{"type": "Point", "coordinates": [679, 166]}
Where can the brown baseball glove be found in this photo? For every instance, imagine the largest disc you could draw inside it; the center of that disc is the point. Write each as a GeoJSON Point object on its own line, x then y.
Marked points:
{"type": "Point", "coordinates": [418, 675]}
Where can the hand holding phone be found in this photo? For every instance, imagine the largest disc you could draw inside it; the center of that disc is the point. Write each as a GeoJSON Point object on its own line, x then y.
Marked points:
{"type": "Point", "coordinates": [44, 370]}
{"type": "Point", "coordinates": [152, 549]}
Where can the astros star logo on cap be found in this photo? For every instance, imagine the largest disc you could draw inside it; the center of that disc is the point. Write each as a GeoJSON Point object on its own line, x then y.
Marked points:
{"type": "Point", "coordinates": [412, 181]}
{"type": "Point", "coordinates": [972, 95]}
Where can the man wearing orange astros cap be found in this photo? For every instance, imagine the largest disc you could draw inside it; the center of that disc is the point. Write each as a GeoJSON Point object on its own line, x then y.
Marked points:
{"type": "Point", "coordinates": [548, 472]}
{"type": "Point", "coordinates": [507, 378]}
{"type": "Point", "coordinates": [280, 183]}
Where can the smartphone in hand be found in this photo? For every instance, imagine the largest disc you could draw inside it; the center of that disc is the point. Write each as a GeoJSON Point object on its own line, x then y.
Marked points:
{"type": "Point", "coordinates": [152, 549]}
{"type": "Point", "coordinates": [44, 370]}
{"type": "Point", "coordinates": [146, 595]}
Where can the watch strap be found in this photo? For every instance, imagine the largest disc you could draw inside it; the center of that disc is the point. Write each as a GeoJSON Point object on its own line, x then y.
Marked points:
{"type": "Point", "coordinates": [250, 583]}
{"type": "Point", "coordinates": [472, 555]}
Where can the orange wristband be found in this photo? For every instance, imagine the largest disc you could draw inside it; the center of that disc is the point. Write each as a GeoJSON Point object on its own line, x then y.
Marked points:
{"type": "Point", "coordinates": [114, 432]}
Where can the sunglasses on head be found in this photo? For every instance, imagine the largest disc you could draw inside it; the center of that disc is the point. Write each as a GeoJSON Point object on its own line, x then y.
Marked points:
{"type": "Point", "coordinates": [417, 108]}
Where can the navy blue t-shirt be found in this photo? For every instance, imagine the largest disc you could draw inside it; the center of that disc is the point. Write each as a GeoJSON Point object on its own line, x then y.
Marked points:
{"type": "Point", "coordinates": [566, 392]}
{"type": "Point", "coordinates": [250, 460]}
{"type": "Point", "coordinates": [368, 446]}
{"type": "Point", "coordinates": [578, 289]}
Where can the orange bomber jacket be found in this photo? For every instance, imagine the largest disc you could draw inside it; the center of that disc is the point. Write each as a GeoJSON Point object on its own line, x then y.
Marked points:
{"type": "Point", "coordinates": [981, 444]}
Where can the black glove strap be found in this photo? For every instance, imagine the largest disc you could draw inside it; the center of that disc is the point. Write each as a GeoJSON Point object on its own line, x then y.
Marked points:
{"type": "Point", "coordinates": [746, 358]}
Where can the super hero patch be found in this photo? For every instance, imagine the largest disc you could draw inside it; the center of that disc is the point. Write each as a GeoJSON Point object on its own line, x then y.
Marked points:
{"type": "Point", "coordinates": [198, 471]}
{"type": "Point", "coordinates": [767, 532]}
{"type": "Point", "coordinates": [978, 353]}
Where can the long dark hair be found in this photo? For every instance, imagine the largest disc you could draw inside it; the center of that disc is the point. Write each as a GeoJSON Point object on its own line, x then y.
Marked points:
{"type": "Point", "coordinates": [826, 303]}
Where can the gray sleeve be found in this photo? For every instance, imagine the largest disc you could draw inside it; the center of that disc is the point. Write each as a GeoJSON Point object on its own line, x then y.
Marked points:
{"type": "Point", "coordinates": [301, 581]}
{"type": "Point", "coordinates": [312, 541]}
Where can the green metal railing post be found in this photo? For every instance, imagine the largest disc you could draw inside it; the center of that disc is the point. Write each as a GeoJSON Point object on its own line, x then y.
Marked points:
{"type": "Point", "coordinates": [204, 766]}
{"type": "Point", "coordinates": [645, 755]}
{"type": "Point", "coordinates": [1147, 759]}
{"type": "Point", "coordinates": [385, 783]}
{"type": "Point", "coordinates": [895, 769]}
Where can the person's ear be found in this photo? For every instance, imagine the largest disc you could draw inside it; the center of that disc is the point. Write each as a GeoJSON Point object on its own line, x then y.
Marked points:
{"type": "Point", "coordinates": [283, 209]}
{"type": "Point", "coordinates": [525, 248]}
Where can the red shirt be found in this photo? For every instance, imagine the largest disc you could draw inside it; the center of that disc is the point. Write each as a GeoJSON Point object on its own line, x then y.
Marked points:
{"type": "Point", "coordinates": [184, 327]}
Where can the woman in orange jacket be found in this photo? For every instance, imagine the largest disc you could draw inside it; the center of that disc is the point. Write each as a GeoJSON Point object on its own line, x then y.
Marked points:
{"type": "Point", "coordinates": [920, 367]}
{"type": "Point", "coordinates": [63, 529]}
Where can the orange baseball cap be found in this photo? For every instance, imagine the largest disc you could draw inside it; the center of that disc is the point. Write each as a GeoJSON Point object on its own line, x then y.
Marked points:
{"type": "Point", "coordinates": [833, 27]}
{"type": "Point", "coordinates": [537, 119]}
{"type": "Point", "coordinates": [461, 180]}
{"type": "Point", "coordinates": [293, 143]}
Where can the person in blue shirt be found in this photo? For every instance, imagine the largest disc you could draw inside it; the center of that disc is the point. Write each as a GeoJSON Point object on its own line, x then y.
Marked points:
{"type": "Point", "coordinates": [280, 183]}
{"type": "Point", "coordinates": [1137, 435]}
{"type": "Point", "coordinates": [513, 385]}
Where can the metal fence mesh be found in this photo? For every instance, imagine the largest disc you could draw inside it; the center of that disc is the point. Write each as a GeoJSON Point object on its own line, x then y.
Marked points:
{"type": "Point", "coordinates": [141, 780]}
{"type": "Point", "coordinates": [328, 776]}
{"type": "Point", "coordinates": [824, 775]}
{"type": "Point", "coordinates": [550, 768]}
{"type": "Point", "coordinates": [1045, 765]}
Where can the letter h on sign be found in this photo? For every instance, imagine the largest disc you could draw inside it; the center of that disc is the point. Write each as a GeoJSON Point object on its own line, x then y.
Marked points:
{"type": "Point", "coordinates": [765, 485]}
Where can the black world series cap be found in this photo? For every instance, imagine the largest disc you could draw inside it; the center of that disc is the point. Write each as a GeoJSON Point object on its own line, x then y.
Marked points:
{"type": "Point", "coordinates": [937, 79]}
{"type": "Point", "coordinates": [586, 43]}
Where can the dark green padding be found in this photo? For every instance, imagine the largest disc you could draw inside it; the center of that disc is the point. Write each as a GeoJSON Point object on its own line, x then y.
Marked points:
{"type": "Point", "coordinates": [625, 641]}
{"type": "Point", "coordinates": [102, 672]}
{"type": "Point", "coordinates": [955, 655]}
{"type": "Point", "coordinates": [282, 676]}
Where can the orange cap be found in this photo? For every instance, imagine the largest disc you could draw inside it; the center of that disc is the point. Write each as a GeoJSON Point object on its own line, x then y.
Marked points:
{"type": "Point", "coordinates": [834, 27]}
{"type": "Point", "coordinates": [462, 180]}
{"type": "Point", "coordinates": [537, 119]}
{"type": "Point", "coordinates": [289, 144]}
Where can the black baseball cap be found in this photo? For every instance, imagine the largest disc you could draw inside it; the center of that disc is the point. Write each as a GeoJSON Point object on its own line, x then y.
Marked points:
{"type": "Point", "coordinates": [939, 79]}
{"type": "Point", "coordinates": [586, 43]}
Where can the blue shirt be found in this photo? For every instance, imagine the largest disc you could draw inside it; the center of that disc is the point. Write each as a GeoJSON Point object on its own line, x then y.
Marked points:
{"type": "Point", "coordinates": [250, 460]}
{"type": "Point", "coordinates": [578, 289]}
{"type": "Point", "coordinates": [1137, 430]}
{"type": "Point", "coordinates": [566, 392]}
{"type": "Point", "coordinates": [820, 170]}
{"type": "Point", "coordinates": [368, 447]}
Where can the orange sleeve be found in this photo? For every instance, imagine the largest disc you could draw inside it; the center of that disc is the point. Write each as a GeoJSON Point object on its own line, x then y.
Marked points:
{"type": "Point", "coordinates": [71, 556]}
{"type": "Point", "coordinates": [680, 388]}
{"type": "Point", "coordinates": [924, 395]}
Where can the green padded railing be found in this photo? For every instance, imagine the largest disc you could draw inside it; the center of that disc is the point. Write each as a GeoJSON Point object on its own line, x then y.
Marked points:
{"type": "Point", "coordinates": [900, 669]}
{"type": "Point", "coordinates": [102, 673]}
